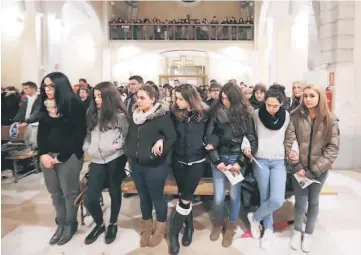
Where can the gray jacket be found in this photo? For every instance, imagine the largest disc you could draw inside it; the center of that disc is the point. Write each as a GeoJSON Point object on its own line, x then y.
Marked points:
{"type": "Point", "coordinates": [105, 146]}
{"type": "Point", "coordinates": [20, 115]}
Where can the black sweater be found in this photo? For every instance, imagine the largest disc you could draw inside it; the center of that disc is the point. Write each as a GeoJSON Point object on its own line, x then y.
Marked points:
{"type": "Point", "coordinates": [64, 135]}
{"type": "Point", "coordinates": [141, 138]}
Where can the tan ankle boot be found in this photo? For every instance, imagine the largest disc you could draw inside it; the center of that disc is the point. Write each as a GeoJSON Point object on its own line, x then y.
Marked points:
{"type": "Point", "coordinates": [146, 230]}
{"type": "Point", "coordinates": [158, 236]}
{"type": "Point", "coordinates": [216, 232]}
{"type": "Point", "coordinates": [228, 234]}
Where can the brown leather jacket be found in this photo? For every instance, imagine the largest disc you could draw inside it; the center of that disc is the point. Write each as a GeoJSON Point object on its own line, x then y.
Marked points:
{"type": "Point", "coordinates": [315, 158]}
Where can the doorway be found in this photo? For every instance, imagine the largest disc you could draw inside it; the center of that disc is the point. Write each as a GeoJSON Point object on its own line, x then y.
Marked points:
{"type": "Point", "coordinates": [196, 80]}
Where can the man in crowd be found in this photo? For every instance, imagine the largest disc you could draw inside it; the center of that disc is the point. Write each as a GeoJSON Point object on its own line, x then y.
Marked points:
{"type": "Point", "coordinates": [214, 90]}
{"type": "Point", "coordinates": [30, 104]}
{"type": "Point", "coordinates": [135, 82]}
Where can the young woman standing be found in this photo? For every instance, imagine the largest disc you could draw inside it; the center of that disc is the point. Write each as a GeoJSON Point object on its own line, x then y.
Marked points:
{"type": "Point", "coordinates": [107, 128]}
{"type": "Point", "coordinates": [294, 101]}
{"type": "Point", "coordinates": [230, 121]}
{"type": "Point", "coordinates": [271, 121]}
{"type": "Point", "coordinates": [257, 98]}
{"type": "Point", "coordinates": [189, 117]}
{"type": "Point", "coordinates": [61, 133]}
{"type": "Point", "coordinates": [317, 134]}
{"type": "Point", "coordinates": [150, 138]}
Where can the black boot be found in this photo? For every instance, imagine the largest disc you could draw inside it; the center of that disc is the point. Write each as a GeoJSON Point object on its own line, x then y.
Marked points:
{"type": "Point", "coordinates": [176, 226]}
{"type": "Point", "coordinates": [96, 232]}
{"type": "Point", "coordinates": [111, 233]}
{"type": "Point", "coordinates": [70, 229]}
{"type": "Point", "coordinates": [59, 231]}
{"type": "Point", "coordinates": [188, 231]}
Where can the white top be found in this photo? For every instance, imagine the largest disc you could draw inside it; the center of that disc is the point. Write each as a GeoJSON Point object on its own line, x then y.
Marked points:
{"type": "Point", "coordinates": [270, 142]}
{"type": "Point", "coordinates": [29, 107]}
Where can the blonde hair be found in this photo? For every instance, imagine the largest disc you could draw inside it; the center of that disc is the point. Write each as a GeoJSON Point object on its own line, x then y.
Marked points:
{"type": "Point", "coordinates": [323, 113]}
{"type": "Point", "coordinates": [301, 83]}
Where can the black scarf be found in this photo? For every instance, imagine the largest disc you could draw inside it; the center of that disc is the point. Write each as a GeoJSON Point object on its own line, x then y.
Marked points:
{"type": "Point", "coordinates": [255, 104]}
{"type": "Point", "coordinates": [272, 122]}
{"type": "Point", "coordinates": [295, 103]}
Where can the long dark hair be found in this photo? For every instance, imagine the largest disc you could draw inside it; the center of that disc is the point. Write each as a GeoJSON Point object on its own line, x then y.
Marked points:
{"type": "Point", "coordinates": [64, 93]}
{"type": "Point", "coordinates": [240, 111]}
{"type": "Point", "coordinates": [112, 105]}
{"type": "Point", "coordinates": [192, 97]}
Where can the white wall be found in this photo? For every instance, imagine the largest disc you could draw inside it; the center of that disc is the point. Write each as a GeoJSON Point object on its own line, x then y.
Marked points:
{"type": "Point", "coordinates": [227, 60]}
{"type": "Point", "coordinates": [19, 58]}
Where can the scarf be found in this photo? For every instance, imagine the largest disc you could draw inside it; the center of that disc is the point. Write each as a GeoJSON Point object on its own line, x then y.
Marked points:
{"type": "Point", "coordinates": [224, 116]}
{"type": "Point", "coordinates": [255, 104]}
{"type": "Point", "coordinates": [51, 108]}
{"type": "Point", "coordinates": [139, 117]}
{"type": "Point", "coordinates": [272, 122]}
{"type": "Point", "coordinates": [295, 103]}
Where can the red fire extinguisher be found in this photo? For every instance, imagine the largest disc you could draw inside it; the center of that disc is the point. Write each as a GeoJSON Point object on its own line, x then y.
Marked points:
{"type": "Point", "coordinates": [329, 92]}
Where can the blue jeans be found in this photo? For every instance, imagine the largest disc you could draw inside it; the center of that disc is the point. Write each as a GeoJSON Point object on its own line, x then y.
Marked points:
{"type": "Point", "coordinates": [219, 183]}
{"type": "Point", "coordinates": [150, 181]}
{"type": "Point", "coordinates": [271, 179]}
{"type": "Point", "coordinates": [308, 196]}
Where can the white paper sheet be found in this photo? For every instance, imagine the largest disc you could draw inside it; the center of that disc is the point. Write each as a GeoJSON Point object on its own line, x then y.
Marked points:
{"type": "Point", "coordinates": [233, 179]}
{"type": "Point", "coordinates": [304, 181]}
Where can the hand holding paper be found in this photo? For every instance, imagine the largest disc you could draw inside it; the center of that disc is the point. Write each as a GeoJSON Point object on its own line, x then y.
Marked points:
{"type": "Point", "coordinates": [304, 181]}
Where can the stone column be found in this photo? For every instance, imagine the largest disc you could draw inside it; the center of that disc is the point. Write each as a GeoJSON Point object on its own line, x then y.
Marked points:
{"type": "Point", "coordinates": [340, 44]}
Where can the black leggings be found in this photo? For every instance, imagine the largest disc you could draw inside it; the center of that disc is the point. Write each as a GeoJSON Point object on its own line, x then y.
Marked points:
{"type": "Point", "coordinates": [100, 176]}
{"type": "Point", "coordinates": [187, 178]}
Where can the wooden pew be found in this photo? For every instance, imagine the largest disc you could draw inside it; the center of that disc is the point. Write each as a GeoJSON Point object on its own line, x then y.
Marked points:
{"type": "Point", "coordinates": [205, 187]}
{"type": "Point", "coordinates": [21, 156]}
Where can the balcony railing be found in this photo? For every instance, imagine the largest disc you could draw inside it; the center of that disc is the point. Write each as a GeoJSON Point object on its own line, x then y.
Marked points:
{"type": "Point", "coordinates": [183, 32]}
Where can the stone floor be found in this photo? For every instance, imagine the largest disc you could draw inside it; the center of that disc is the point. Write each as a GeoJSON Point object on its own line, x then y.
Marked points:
{"type": "Point", "coordinates": [27, 223]}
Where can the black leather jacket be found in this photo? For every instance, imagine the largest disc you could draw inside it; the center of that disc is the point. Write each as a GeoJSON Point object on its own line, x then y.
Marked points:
{"type": "Point", "coordinates": [189, 146]}
{"type": "Point", "coordinates": [219, 134]}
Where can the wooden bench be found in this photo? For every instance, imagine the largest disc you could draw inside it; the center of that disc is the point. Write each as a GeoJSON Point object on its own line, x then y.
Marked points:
{"type": "Point", "coordinates": [204, 188]}
{"type": "Point", "coordinates": [20, 156]}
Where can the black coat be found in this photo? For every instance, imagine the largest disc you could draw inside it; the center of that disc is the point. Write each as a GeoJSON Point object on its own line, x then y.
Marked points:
{"type": "Point", "coordinates": [189, 146]}
{"type": "Point", "coordinates": [219, 133]}
{"type": "Point", "coordinates": [142, 137]}
{"type": "Point", "coordinates": [9, 107]}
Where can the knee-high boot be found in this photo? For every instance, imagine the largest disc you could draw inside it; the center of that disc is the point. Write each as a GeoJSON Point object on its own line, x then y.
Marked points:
{"type": "Point", "coordinates": [179, 217]}
{"type": "Point", "coordinates": [188, 231]}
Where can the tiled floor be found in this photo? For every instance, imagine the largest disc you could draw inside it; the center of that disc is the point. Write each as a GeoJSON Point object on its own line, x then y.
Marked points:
{"type": "Point", "coordinates": [27, 223]}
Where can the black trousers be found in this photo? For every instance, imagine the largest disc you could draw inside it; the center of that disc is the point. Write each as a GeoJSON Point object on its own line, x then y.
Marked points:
{"type": "Point", "coordinates": [187, 178]}
{"type": "Point", "coordinates": [105, 175]}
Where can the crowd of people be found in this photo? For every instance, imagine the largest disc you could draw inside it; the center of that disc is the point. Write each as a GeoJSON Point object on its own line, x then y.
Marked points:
{"type": "Point", "coordinates": [182, 29]}
{"type": "Point", "coordinates": [237, 128]}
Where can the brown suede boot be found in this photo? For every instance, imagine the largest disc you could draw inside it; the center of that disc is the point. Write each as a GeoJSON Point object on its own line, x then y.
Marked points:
{"type": "Point", "coordinates": [228, 234]}
{"type": "Point", "coordinates": [146, 229]}
{"type": "Point", "coordinates": [158, 235]}
{"type": "Point", "coordinates": [216, 232]}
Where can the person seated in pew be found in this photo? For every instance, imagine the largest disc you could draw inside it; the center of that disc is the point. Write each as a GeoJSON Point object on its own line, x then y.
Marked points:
{"type": "Point", "coordinates": [30, 105]}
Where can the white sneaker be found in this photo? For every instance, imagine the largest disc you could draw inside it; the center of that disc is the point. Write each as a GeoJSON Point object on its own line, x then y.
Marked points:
{"type": "Point", "coordinates": [306, 243]}
{"type": "Point", "coordinates": [266, 240]}
{"type": "Point", "coordinates": [255, 226]}
{"type": "Point", "coordinates": [296, 240]}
